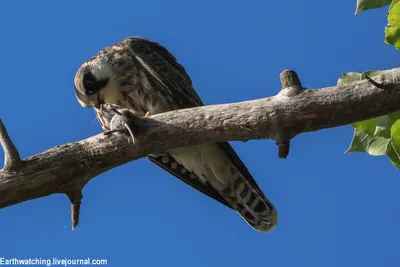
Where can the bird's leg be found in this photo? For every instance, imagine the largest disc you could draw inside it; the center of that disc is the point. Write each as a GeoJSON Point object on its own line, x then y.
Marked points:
{"type": "Point", "coordinates": [107, 130]}
{"type": "Point", "coordinates": [110, 132]}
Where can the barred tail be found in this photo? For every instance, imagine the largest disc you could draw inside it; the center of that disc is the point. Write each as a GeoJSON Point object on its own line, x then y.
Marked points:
{"type": "Point", "coordinates": [251, 204]}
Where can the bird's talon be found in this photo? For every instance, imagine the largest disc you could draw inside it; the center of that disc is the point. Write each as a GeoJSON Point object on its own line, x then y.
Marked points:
{"type": "Point", "coordinates": [110, 131]}
{"type": "Point", "coordinates": [116, 111]}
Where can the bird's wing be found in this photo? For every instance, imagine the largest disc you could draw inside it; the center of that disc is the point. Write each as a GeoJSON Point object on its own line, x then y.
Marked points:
{"type": "Point", "coordinates": [166, 69]}
{"type": "Point", "coordinates": [163, 66]}
{"type": "Point", "coordinates": [165, 160]}
{"type": "Point", "coordinates": [239, 165]}
{"type": "Point", "coordinates": [169, 164]}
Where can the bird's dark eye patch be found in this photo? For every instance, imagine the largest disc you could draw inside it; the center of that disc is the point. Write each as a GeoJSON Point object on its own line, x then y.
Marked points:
{"type": "Point", "coordinates": [91, 84]}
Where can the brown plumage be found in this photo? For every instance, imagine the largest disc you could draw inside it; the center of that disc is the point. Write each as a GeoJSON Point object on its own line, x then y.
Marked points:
{"type": "Point", "coordinates": [141, 75]}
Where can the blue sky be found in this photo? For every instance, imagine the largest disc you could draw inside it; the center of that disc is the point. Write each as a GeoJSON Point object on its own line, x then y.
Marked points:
{"type": "Point", "coordinates": [334, 209]}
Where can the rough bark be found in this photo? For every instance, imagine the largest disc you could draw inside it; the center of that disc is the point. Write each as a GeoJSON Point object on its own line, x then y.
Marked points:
{"type": "Point", "coordinates": [294, 110]}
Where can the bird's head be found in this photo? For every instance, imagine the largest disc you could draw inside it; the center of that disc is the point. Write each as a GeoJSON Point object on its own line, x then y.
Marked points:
{"type": "Point", "coordinates": [92, 81]}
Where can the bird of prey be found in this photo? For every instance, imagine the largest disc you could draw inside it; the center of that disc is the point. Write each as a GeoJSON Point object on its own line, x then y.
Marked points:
{"type": "Point", "coordinates": [143, 76]}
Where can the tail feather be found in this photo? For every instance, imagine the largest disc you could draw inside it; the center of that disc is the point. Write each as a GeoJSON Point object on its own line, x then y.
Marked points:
{"type": "Point", "coordinates": [252, 205]}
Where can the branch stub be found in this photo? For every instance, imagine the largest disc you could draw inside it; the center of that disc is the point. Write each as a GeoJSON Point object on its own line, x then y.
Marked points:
{"type": "Point", "coordinates": [12, 160]}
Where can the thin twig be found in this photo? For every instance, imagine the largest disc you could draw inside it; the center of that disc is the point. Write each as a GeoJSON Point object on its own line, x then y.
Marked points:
{"type": "Point", "coordinates": [379, 85]}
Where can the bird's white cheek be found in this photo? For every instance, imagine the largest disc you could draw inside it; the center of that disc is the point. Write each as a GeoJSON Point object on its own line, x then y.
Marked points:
{"type": "Point", "coordinates": [110, 94]}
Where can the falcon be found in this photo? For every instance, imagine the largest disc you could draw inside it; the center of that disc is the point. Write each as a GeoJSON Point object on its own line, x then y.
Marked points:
{"type": "Point", "coordinates": [142, 76]}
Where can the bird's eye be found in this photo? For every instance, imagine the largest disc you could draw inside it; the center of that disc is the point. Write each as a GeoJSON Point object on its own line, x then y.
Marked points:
{"type": "Point", "coordinates": [91, 84]}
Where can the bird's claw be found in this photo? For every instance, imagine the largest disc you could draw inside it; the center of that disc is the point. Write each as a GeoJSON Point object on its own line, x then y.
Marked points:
{"type": "Point", "coordinates": [108, 132]}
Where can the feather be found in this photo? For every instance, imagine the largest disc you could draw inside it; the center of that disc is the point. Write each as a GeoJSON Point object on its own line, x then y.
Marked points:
{"type": "Point", "coordinates": [147, 77]}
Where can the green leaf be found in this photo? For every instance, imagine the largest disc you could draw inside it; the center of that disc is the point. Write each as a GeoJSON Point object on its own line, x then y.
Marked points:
{"type": "Point", "coordinates": [379, 126]}
{"type": "Point", "coordinates": [394, 157]}
{"type": "Point", "coordinates": [363, 5]}
{"type": "Point", "coordinates": [376, 145]}
{"type": "Point", "coordinates": [367, 126]}
{"type": "Point", "coordinates": [394, 150]}
{"type": "Point", "coordinates": [392, 31]}
{"type": "Point", "coordinates": [372, 73]}
{"type": "Point", "coordinates": [383, 126]}
{"type": "Point", "coordinates": [394, 2]}
{"type": "Point", "coordinates": [395, 136]}
{"type": "Point", "coordinates": [373, 145]}
{"type": "Point", "coordinates": [377, 136]}
{"type": "Point", "coordinates": [394, 116]}
{"type": "Point", "coordinates": [349, 78]}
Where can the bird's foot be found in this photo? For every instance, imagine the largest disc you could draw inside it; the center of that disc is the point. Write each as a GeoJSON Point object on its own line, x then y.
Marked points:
{"type": "Point", "coordinates": [123, 120]}
{"type": "Point", "coordinates": [108, 132]}
{"type": "Point", "coordinates": [147, 114]}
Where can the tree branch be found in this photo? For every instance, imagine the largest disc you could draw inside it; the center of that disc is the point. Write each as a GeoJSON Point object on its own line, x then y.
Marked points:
{"type": "Point", "coordinates": [12, 161]}
{"type": "Point", "coordinates": [291, 85]}
{"type": "Point", "coordinates": [67, 168]}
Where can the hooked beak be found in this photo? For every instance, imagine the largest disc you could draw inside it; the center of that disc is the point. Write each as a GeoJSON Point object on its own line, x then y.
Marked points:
{"type": "Point", "coordinates": [96, 104]}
